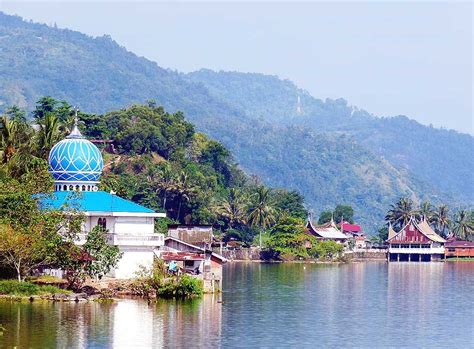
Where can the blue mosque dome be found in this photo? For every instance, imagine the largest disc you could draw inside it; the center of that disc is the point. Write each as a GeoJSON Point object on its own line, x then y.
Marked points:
{"type": "Point", "coordinates": [75, 159]}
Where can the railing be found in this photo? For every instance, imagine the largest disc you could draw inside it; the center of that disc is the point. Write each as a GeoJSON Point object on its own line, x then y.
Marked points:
{"type": "Point", "coordinates": [419, 250]}
{"type": "Point", "coordinates": [137, 240]}
{"type": "Point", "coordinates": [128, 240]}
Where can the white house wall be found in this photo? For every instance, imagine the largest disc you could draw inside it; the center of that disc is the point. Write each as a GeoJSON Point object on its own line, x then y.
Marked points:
{"type": "Point", "coordinates": [132, 259]}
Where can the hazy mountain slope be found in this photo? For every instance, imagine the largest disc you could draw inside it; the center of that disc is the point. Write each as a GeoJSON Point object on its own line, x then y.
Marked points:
{"type": "Point", "coordinates": [98, 75]}
{"type": "Point", "coordinates": [441, 157]}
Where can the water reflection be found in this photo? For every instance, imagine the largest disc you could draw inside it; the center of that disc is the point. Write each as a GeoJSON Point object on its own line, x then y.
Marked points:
{"type": "Point", "coordinates": [270, 305]}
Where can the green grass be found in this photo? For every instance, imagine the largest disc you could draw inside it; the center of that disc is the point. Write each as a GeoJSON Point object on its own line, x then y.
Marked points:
{"type": "Point", "coordinates": [16, 288]}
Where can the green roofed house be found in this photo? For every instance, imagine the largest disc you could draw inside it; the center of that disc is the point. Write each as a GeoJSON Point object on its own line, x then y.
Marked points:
{"type": "Point", "coordinates": [76, 165]}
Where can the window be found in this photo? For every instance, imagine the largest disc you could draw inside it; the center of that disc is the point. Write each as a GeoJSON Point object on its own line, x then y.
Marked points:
{"type": "Point", "coordinates": [102, 224]}
{"type": "Point", "coordinates": [83, 188]}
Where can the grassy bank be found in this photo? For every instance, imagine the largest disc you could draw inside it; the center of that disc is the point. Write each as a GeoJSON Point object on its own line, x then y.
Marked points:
{"type": "Point", "coordinates": [26, 289]}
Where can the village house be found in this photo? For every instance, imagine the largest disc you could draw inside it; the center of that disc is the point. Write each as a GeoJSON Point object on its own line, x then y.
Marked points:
{"type": "Point", "coordinates": [354, 231]}
{"type": "Point", "coordinates": [415, 242]}
{"type": "Point", "coordinates": [194, 260]}
{"type": "Point", "coordinates": [459, 249]}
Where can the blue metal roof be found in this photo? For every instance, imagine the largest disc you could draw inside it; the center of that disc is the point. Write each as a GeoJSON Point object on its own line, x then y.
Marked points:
{"type": "Point", "coordinates": [90, 201]}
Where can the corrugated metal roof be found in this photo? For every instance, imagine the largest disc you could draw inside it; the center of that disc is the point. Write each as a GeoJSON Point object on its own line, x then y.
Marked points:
{"type": "Point", "coordinates": [91, 201]}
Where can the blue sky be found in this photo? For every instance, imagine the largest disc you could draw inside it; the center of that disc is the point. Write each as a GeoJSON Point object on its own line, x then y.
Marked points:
{"type": "Point", "coordinates": [389, 58]}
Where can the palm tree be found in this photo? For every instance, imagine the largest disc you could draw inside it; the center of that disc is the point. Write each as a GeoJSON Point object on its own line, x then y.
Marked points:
{"type": "Point", "coordinates": [48, 134]}
{"type": "Point", "coordinates": [166, 183]}
{"type": "Point", "coordinates": [441, 219]}
{"type": "Point", "coordinates": [233, 208]}
{"type": "Point", "coordinates": [463, 224]}
{"type": "Point", "coordinates": [426, 211]}
{"type": "Point", "coordinates": [262, 211]}
{"type": "Point", "coordinates": [401, 212]}
{"type": "Point", "coordinates": [8, 140]}
{"type": "Point", "coordinates": [184, 190]}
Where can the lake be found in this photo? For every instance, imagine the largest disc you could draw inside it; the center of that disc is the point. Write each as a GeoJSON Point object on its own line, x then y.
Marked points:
{"type": "Point", "coordinates": [362, 305]}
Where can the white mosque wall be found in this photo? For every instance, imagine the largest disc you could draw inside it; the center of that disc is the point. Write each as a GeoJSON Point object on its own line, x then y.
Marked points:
{"type": "Point", "coordinates": [128, 225]}
{"type": "Point", "coordinates": [132, 260]}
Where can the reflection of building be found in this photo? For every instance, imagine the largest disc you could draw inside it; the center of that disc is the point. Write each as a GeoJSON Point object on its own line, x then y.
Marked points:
{"type": "Point", "coordinates": [326, 231]}
{"type": "Point", "coordinates": [76, 165]}
{"type": "Point", "coordinates": [194, 260]}
{"type": "Point", "coordinates": [459, 249]}
{"type": "Point", "coordinates": [416, 241]}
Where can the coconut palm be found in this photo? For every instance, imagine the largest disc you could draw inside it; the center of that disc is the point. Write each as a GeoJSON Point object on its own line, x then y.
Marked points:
{"type": "Point", "coordinates": [233, 208]}
{"type": "Point", "coordinates": [48, 134]}
{"type": "Point", "coordinates": [441, 219]}
{"type": "Point", "coordinates": [426, 211]}
{"type": "Point", "coordinates": [262, 211]}
{"type": "Point", "coordinates": [401, 212]}
{"type": "Point", "coordinates": [8, 140]}
{"type": "Point", "coordinates": [463, 224]}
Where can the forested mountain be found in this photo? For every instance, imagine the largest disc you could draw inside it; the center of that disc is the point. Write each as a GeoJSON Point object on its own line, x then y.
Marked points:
{"type": "Point", "coordinates": [440, 157]}
{"type": "Point", "coordinates": [330, 152]}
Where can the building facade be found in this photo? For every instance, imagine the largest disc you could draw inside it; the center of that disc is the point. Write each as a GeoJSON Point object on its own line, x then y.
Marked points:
{"type": "Point", "coordinates": [76, 166]}
{"type": "Point", "coordinates": [415, 242]}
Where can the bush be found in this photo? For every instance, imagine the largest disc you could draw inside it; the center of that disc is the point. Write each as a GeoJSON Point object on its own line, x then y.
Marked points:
{"type": "Point", "coordinates": [16, 288]}
{"type": "Point", "coordinates": [327, 250]}
{"type": "Point", "coordinates": [184, 287]}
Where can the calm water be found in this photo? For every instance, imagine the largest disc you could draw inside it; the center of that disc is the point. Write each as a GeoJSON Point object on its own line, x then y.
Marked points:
{"type": "Point", "coordinates": [272, 306]}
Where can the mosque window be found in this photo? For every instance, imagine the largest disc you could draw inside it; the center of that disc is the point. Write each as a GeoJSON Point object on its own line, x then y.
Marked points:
{"type": "Point", "coordinates": [77, 187]}
{"type": "Point", "coordinates": [64, 187]}
{"type": "Point", "coordinates": [71, 187]}
{"type": "Point", "coordinates": [83, 188]}
{"type": "Point", "coordinates": [102, 224]}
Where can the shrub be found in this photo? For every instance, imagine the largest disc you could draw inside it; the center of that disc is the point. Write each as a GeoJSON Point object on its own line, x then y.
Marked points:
{"type": "Point", "coordinates": [17, 288]}
{"type": "Point", "coordinates": [184, 287]}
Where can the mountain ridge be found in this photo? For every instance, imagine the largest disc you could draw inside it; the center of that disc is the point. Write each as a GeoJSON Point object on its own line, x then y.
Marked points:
{"type": "Point", "coordinates": [319, 153]}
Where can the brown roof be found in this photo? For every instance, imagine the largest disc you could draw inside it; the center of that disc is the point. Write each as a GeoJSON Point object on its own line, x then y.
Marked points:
{"type": "Point", "coordinates": [460, 243]}
{"type": "Point", "coordinates": [182, 256]}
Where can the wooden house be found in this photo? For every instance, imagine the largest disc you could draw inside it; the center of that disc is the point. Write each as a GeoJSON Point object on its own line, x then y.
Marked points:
{"type": "Point", "coordinates": [415, 242]}
{"type": "Point", "coordinates": [194, 260]}
{"type": "Point", "coordinates": [459, 249]}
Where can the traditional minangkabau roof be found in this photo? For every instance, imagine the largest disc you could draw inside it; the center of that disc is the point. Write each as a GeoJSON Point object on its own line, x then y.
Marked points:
{"type": "Point", "coordinates": [423, 227]}
{"type": "Point", "coordinates": [96, 202]}
{"type": "Point", "coordinates": [391, 232]}
{"type": "Point", "coordinates": [326, 231]}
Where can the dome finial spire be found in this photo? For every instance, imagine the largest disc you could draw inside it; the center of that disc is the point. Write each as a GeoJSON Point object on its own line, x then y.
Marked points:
{"type": "Point", "coordinates": [75, 133]}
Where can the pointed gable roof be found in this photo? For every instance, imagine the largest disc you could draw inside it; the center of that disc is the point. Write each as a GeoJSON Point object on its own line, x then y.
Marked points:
{"type": "Point", "coordinates": [326, 231]}
{"type": "Point", "coordinates": [423, 227]}
{"type": "Point", "coordinates": [391, 232]}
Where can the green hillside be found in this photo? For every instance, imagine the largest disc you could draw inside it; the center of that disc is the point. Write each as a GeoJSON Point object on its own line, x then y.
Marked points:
{"type": "Point", "coordinates": [330, 152]}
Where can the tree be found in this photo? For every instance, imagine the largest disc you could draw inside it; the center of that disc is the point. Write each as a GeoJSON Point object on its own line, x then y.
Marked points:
{"type": "Point", "coordinates": [401, 212]}
{"type": "Point", "coordinates": [261, 211]}
{"type": "Point", "coordinates": [48, 135]}
{"type": "Point", "coordinates": [426, 211]}
{"type": "Point", "coordinates": [441, 219]}
{"type": "Point", "coordinates": [23, 250]}
{"type": "Point", "coordinates": [290, 203]}
{"type": "Point", "coordinates": [325, 217]}
{"type": "Point", "coordinates": [345, 212]}
{"type": "Point", "coordinates": [233, 209]}
{"type": "Point", "coordinates": [104, 256]}
{"type": "Point", "coordinates": [463, 224]}
{"type": "Point", "coordinates": [8, 137]}
{"type": "Point", "coordinates": [288, 239]}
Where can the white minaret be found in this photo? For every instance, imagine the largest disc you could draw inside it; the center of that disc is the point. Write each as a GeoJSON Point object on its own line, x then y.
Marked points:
{"type": "Point", "coordinates": [298, 106]}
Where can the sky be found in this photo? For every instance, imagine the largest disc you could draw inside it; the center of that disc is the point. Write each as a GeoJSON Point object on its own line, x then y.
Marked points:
{"type": "Point", "coordinates": [389, 58]}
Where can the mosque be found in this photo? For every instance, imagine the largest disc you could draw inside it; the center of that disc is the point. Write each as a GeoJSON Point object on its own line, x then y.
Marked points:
{"type": "Point", "coordinates": [76, 165]}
